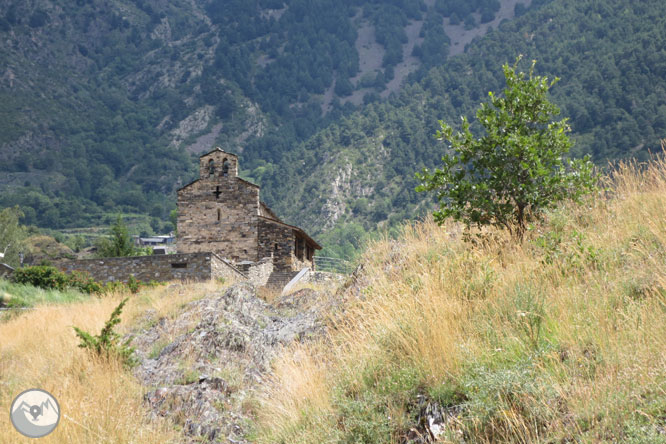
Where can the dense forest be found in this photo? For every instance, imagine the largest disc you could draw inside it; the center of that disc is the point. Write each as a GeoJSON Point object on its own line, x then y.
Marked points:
{"type": "Point", "coordinates": [93, 93]}
{"type": "Point", "coordinates": [103, 104]}
{"type": "Point", "coordinates": [358, 173]}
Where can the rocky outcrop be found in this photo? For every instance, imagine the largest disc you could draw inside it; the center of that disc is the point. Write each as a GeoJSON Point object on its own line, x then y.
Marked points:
{"type": "Point", "coordinates": [205, 364]}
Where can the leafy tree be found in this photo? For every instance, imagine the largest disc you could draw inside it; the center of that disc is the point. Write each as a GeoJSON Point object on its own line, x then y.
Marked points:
{"type": "Point", "coordinates": [119, 243]}
{"type": "Point", "coordinates": [12, 235]}
{"type": "Point", "coordinates": [516, 170]}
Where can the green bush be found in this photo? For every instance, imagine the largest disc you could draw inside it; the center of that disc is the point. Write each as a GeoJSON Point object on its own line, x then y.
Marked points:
{"type": "Point", "coordinates": [42, 276]}
{"type": "Point", "coordinates": [50, 278]}
{"type": "Point", "coordinates": [84, 283]}
{"type": "Point", "coordinates": [108, 343]}
{"type": "Point", "coordinates": [133, 284]}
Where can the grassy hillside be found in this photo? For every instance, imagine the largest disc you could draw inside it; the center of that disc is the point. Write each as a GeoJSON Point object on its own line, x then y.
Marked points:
{"type": "Point", "coordinates": [560, 339]}
{"type": "Point", "coordinates": [19, 295]}
{"type": "Point", "coordinates": [100, 400]}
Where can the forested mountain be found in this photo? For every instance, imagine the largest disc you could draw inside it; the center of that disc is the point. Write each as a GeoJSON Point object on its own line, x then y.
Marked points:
{"type": "Point", "coordinates": [359, 172]}
{"type": "Point", "coordinates": [106, 104]}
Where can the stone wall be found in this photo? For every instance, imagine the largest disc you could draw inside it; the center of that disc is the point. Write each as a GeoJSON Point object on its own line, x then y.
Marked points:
{"type": "Point", "coordinates": [161, 268]}
{"type": "Point", "coordinates": [219, 214]}
{"type": "Point", "coordinates": [220, 268]}
{"type": "Point", "coordinates": [277, 240]}
{"type": "Point", "coordinates": [257, 272]}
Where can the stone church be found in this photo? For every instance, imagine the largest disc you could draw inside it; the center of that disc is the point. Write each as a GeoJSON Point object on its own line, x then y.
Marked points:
{"type": "Point", "coordinates": [222, 213]}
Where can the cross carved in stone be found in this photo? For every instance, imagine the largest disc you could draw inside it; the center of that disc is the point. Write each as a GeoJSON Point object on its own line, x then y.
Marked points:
{"type": "Point", "coordinates": [217, 192]}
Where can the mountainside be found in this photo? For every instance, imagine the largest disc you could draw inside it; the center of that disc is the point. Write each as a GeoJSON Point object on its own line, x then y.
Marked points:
{"type": "Point", "coordinates": [359, 172]}
{"type": "Point", "coordinates": [104, 103]}
{"type": "Point", "coordinates": [560, 338]}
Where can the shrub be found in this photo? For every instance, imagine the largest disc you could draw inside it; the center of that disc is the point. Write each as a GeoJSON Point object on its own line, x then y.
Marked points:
{"type": "Point", "coordinates": [50, 278]}
{"type": "Point", "coordinates": [507, 177]}
{"type": "Point", "coordinates": [84, 283]}
{"type": "Point", "coordinates": [133, 284]}
{"type": "Point", "coordinates": [107, 343]}
{"type": "Point", "coordinates": [42, 276]}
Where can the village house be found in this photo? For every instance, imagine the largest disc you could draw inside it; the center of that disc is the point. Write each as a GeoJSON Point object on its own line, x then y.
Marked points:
{"type": "Point", "coordinates": [222, 213]}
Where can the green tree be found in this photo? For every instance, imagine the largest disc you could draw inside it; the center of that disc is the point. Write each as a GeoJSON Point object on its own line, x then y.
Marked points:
{"type": "Point", "coordinates": [12, 236]}
{"type": "Point", "coordinates": [119, 243]}
{"type": "Point", "coordinates": [517, 169]}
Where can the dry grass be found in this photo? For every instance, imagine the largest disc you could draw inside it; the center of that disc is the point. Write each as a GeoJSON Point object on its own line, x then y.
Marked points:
{"type": "Point", "coordinates": [269, 294]}
{"type": "Point", "coordinates": [560, 338]}
{"type": "Point", "coordinates": [99, 400]}
{"type": "Point", "coordinates": [314, 286]}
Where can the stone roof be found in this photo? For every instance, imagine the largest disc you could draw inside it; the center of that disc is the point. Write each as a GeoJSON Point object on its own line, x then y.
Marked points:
{"type": "Point", "coordinates": [268, 211]}
{"type": "Point", "coordinates": [215, 150]}
{"type": "Point", "coordinates": [295, 228]}
{"type": "Point", "coordinates": [6, 270]}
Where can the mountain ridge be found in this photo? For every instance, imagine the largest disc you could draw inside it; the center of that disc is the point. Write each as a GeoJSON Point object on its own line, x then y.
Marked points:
{"type": "Point", "coordinates": [138, 88]}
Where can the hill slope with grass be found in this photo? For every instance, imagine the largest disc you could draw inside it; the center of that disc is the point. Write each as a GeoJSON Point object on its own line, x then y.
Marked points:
{"type": "Point", "coordinates": [559, 339]}
{"type": "Point", "coordinates": [199, 354]}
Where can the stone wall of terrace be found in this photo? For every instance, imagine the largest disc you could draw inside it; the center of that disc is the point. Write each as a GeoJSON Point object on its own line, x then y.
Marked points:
{"type": "Point", "coordinates": [161, 268]}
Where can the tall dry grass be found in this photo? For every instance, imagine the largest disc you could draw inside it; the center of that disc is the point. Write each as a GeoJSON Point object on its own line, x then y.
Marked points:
{"type": "Point", "coordinates": [100, 401]}
{"type": "Point", "coordinates": [560, 338]}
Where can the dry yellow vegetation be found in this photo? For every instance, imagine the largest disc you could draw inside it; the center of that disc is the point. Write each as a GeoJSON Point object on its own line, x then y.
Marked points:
{"type": "Point", "coordinates": [100, 401]}
{"type": "Point", "coordinates": [559, 339]}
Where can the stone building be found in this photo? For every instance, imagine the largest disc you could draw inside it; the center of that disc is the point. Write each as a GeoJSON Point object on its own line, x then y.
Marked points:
{"type": "Point", "coordinates": [222, 213]}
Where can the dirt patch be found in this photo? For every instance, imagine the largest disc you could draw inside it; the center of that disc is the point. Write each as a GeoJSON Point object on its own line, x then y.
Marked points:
{"type": "Point", "coordinates": [370, 55]}
{"type": "Point", "coordinates": [205, 142]}
{"type": "Point", "coordinates": [264, 60]}
{"type": "Point", "coordinates": [460, 36]}
{"type": "Point", "coordinates": [328, 97]}
{"type": "Point", "coordinates": [409, 63]}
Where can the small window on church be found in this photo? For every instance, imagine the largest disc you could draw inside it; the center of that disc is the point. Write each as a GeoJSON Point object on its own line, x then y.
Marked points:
{"type": "Point", "coordinates": [225, 168]}
{"type": "Point", "coordinates": [211, 167]}
{"type": "Point", "coordinates": [276, 247]}
{"type": "Point", "coordinates": [219, 214]}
